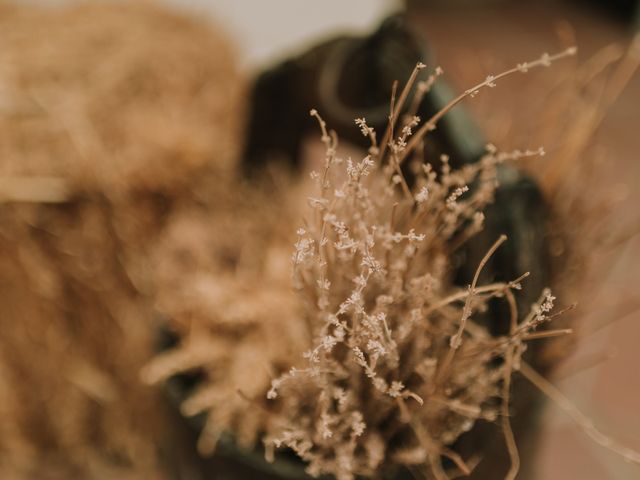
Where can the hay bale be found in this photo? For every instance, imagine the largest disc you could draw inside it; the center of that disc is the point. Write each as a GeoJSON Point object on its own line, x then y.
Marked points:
{"type": "Point", "coordinates": [109, 116]}
{"type": "Point", "coordinates": [114, 97]}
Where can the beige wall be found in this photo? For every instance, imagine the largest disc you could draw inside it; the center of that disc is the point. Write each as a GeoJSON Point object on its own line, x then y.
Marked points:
{"type": "Point", "coordinates": [268, 29]}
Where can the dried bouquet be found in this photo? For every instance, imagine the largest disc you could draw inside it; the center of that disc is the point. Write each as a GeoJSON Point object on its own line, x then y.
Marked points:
{"type": "Point", "coordinates": [399, 367]}
{"type": "Point", "coordinates": [399, 363]}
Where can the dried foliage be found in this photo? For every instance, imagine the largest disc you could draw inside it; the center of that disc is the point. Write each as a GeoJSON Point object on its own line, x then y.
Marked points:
{"type": "Point", "coordinates": [396, 368]}
{"type": "Point", "coordinates": [126, 122]}
{"type": "Point", "coordinates": [386, 380]}
{"type": "Point", "coordinates": [224, 286]}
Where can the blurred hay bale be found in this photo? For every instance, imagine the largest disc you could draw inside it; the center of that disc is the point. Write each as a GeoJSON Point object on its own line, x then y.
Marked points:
{"type": "Point", "coordinates": [114, 97]}
{"type": "Point", "coordinates": [110, 116]}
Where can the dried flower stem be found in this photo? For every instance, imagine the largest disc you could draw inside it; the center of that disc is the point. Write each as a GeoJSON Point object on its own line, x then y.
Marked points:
{"type": "Point", "coordinates": [421, 90]}
{"type": "Point", "coordinates": [492, 287]}
{"type": "Point", "coordinates": [456, 340]}
{"type": "Point", "coordinates": [577, 416]}
{"type": "Point", "coordinates": [506, 392]}
{"type": "Point", "coordinates": [466, 312]}
{"type": "Point", "coordinates": [545, 60]}
{"type": "Point", "coordinates": [547, 334]}
{"type": "Point", "coordinates": [397, 107]}
{"type": "Point", "coordinates": [506, 424]}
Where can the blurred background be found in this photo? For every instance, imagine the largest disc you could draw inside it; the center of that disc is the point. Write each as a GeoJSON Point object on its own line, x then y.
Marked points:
{"type": "Point", "coordinates": [468, 39]}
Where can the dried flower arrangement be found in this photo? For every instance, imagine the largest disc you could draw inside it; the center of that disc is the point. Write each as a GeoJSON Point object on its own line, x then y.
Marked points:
{"type": "Point", "coordinates": [399, 368]}
{"type": "Point", "coordinates": [398, 362]}
{"type": "Point", "coordinates": [214, 264]}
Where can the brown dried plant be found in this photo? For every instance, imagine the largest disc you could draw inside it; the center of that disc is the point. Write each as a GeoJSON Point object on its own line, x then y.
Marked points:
{"type": "Point", "coordinates": [224, 286]}
{"type": "Point", "coordinates": [397, 364]}
{"type": "Point", "coordinates": [396, 367]}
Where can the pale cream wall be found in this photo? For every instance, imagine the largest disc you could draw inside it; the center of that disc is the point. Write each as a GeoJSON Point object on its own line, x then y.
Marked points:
{"type": "Point", "coordinates": [268, 29]}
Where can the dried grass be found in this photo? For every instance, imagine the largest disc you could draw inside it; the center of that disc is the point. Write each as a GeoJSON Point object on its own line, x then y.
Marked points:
{"type": "Point", "coordinates": [224, 285]}
{"type": "Point", "coordinates": [111, 116]}
{"type": "Point", "coordinates": [115, 97]}
{"type": "Point", "coordinates": [396, 367]}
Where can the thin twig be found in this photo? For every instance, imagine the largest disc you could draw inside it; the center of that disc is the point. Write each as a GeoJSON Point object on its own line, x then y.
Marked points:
{"type": "Point", "coordinates": [584, 422]}
{"type": "Point", "coordinates": [456, 340]}
{"type": "Point", "coordinates": [509, 438]}
{"type": "Point", "coordinates": [547, 334]}
{"type": "Point", "coordinates": [397, 107]}
{"type": "Point", "coordinates": [492, 287]}
{"type": "Point", "coordinates": [545, 60]}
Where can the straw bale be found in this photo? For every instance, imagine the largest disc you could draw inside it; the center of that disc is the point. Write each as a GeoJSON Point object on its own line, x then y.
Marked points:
{"type": "Point", "coordinates": [109, 116]}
